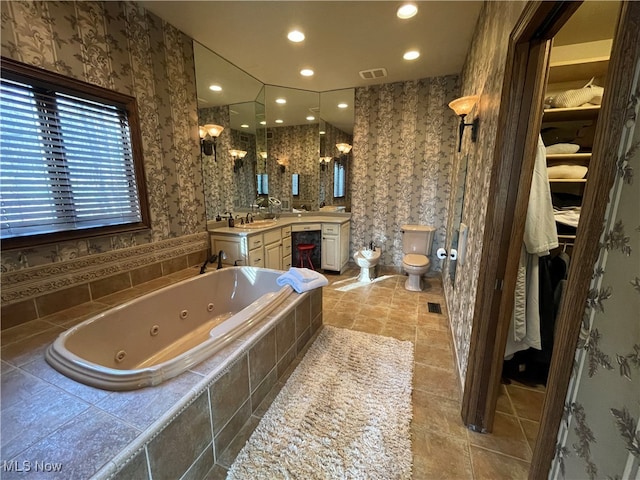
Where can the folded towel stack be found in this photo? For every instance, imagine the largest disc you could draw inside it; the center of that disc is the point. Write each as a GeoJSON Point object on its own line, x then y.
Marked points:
{"type": "Point", "coordinates": [302, 279]}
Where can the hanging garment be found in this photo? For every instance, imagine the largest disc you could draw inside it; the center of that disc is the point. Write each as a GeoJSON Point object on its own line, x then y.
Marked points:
{"type": "Point", "coordinates": [540, 236]}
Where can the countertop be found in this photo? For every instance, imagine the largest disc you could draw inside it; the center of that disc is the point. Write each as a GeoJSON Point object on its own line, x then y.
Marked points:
{"type": "Point", "coordinates": [283, 221]}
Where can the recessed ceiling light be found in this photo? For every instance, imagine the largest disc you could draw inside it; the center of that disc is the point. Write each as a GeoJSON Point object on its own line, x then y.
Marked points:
{"type": "Point", "coordinates": [215, 88]}
{"type": "Point", "coordinates": [322, 132]}
{"type": "Point", "coordinates": [281, 100]}
{"type": "Point", "coordinates": [279, 121]}
{"type": "Point", "coordinates": [263, 122]}
{"type": "Point", "coordinates": [295, 36]}
{"type": "Point", "coordinates": [411, 55]}
{"type": "Point", "coordinates": [407, 10]}
{"type": "Point", "coordinates": [342, 105]}
{"type": "Point", "coordinates": [311, 117]}
{"type": "Point", "coordinates": [244, 125]}
{"type": "Point", "coordinates": [306, 72]}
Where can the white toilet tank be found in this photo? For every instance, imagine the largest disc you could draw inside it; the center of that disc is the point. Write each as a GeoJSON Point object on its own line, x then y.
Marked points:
{"type": "Point", "coordinates": [417, 239]}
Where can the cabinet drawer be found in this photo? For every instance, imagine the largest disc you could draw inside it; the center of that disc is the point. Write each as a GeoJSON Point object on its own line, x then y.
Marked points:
{"type": "Point", "coordinates": [271, 236]}
{"type": "Point", "coordinates": [254, 241]}
{"type": "Point", "coordinates": [256, 258]}
{"type": "Point", "coordinates": [330, 229]}
{"type": "Point", "coordinates": [286, 246]}
{"type": "Point", "coordinates": [306, 227]}
{"type": "Point", "coordinates": [286, 231]}
{"type": "Point", "coordinates": [286, 262]}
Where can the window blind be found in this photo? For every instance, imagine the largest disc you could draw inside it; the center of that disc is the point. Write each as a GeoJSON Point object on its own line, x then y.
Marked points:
{"type": "Point", "coordinates": [66, 163]}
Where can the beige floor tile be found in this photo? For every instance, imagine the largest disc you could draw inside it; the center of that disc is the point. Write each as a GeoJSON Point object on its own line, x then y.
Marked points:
{"type": "Point", "coordinates": [433, 321]}
{"type": "Point", "coordinates": [399, 331]}
{"type": "Point", "coordinates": [436, 356]}
{"type": "Point", "coordinates": [374, 311]}
{"type": "Point", "coordinates": [507, 438]}
{"type": "Point", "coordinates": [489, 465]}
{"type": "Point", "coordinates": [530, 431]}
{"type": "Point", "coordinates": [526, 402]}
{"type": "Point", "coordinates": [504, 404]}
{"type": "Point", "coordinates": [433, 338]}
{"type": "Point", "coordinates": [440, 457]}
{"type": "Point", "coordinates": [437, 381]}
{"type": "Point", "coordinates": [368, 325]}
{"type": "Point", "coordinates": [438, 415]}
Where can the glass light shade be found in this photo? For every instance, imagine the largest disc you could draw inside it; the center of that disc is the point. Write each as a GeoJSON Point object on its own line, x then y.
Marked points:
{"type": "Point", "coordinates": [237, 153]}
{"type": "Point", "coordinates": [343, 147]}
{"type": "Point", "coordinates": [263, 155]}
{"type": "Point", "coordinates": [214, 130]}
{"type": "Point", "coordinates": [463, 105]}
{"type": "Point", "coordinates": [325, 159]}
{"type": "Point", "coordinates": [202, 131]}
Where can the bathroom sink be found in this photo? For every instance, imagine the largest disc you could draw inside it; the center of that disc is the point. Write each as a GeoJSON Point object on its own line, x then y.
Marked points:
{"type": "Point", "coordinates": [258, 224]}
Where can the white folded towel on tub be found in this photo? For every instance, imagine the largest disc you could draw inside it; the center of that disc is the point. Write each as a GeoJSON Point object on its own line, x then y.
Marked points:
{"type": "Point", "coordinates": [302, 279]}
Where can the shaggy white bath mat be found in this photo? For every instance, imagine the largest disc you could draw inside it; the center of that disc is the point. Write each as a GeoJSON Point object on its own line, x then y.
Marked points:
{"type": "Point", "coordinates": [344, 413]}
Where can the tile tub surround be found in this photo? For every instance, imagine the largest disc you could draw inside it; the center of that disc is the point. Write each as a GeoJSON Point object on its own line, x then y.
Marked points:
{"type": "Point", "coordinates": [47, 417]}
{"type": "Point", "coordinates": [40, 291]}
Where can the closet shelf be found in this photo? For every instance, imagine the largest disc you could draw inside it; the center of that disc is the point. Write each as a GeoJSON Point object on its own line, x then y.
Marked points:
{"type": "Point", "coordinates": [567, 180]}
{"type": "Point", "coordinates": [571, 70]}
{"type": "Point", "coordinates": [565, 114]}
{"type": "Point", "coordinates": [568, 158]}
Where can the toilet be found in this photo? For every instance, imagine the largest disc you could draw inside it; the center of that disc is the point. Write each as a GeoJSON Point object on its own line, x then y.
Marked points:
{"type": "Point", "coordinates": [367, 259]}
{"type": "Point", "coordinates": [416, 245]}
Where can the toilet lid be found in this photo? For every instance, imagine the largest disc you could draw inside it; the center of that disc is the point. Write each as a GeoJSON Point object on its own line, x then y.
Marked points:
{"type": "Point", "coordinates": [415, 260]}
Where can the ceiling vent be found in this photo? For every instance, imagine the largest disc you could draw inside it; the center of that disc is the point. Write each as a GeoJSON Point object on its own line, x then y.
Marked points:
{"type": "Point", "coordinates": [373, 73]}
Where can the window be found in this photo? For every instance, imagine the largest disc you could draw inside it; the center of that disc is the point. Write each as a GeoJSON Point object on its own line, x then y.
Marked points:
{"type": "Point", "coordinates": [338, 179]}
{"type": "Point", "coordinates": [70, 162]}
{"type": "Point", "coordinates": [263, 183]}
{"type": "Point", "coordinates": [295, 184]}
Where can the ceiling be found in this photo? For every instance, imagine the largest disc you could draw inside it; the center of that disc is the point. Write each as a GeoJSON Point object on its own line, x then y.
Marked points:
{"type": "Point", "coordinates": [342, 38]}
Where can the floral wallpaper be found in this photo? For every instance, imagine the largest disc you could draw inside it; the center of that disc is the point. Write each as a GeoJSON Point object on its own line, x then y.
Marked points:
{"type": "Point", "coordinates": [404, 137]}
{"type": "Point", "coordinates": [600, 434]}
{"type": "Point", "coordinates": [482, 75]}
{"type": "Point", "coordinates": [121, 46]}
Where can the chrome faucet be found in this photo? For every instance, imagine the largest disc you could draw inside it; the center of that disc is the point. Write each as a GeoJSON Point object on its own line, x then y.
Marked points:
{"type": "Point", "coordinates": [249, 214]}
{"type": "Point", "coordinates": [211, 259]}
{"type": "Point", "coordinates": [221, 256]}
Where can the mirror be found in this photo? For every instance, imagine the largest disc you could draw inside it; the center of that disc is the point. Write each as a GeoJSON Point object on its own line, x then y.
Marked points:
{"type": "Point", "coordinates": [292, 145]}
{"type": "Point", "coordinates": [248, 111]}
{"type": "Point", "coordinates": [337, 117]}
{"type": "Point", "coordinates": [231, 98]}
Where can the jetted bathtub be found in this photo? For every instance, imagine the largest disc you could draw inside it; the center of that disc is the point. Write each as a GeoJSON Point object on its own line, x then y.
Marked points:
{"type": "Point", "coordinates": [162, 334]}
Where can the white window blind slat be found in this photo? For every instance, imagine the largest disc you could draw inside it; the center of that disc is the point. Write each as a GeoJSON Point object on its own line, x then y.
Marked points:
{"type": "Point", "coordinates": [66, 163]}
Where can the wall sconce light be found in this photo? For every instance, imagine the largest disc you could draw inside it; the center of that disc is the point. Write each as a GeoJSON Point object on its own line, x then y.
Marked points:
{"type": "Point", "coordinates": [237, 156]}
{"type": "Point", "coordinates": [208, 145]}
{"type": "Point", "coordinates": [283, 165]}
{"type": "Point", "coordinates": [324, 161]}
{"type": "Point", "coordinates": [462, 106]}
{"type": "Point", "coordinates": [344, 148]}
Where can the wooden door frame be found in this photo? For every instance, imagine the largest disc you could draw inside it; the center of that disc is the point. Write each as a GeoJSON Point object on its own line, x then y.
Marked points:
{"type": "Point", "coordinates": [520, 121]}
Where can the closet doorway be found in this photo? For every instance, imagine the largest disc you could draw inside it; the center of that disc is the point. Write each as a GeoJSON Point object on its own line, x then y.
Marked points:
{"type": "Point", "coordinates": [578, 64]}
{"type": "Point", "coordinates": [520, 119]}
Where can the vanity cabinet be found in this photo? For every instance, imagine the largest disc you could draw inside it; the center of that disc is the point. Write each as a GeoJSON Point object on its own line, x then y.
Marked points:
{"type": "Point", "coordinates": [273, 249]}
{"type": "Point", "coordinates": [240, 250]}
{"type": "Point", "coordinates": [335, 246]}
{"type": "Point", "coordinates": [286, 247]}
